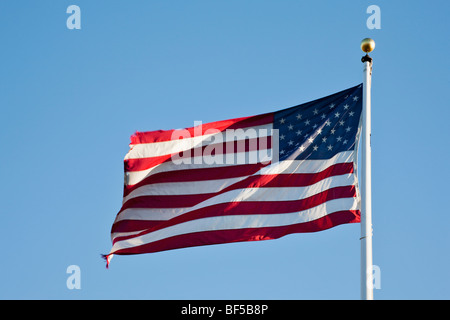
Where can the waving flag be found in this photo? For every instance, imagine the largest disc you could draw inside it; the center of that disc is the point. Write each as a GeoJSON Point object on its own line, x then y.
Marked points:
{"type": "Point", "coordinates": [244, 179]}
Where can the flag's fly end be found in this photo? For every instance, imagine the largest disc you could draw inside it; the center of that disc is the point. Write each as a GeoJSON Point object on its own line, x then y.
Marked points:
{"type": "Point", "coordinates": [107, 258]}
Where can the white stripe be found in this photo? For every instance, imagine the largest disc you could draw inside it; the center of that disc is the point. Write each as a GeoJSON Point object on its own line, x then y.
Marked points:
{"type": "Point", "coordinates": [308, 166]}
{"type": "Point", "coordinates": [183, 188]}
{"type": "Point", "coordinates": [240, 222]}
{"type": "Point", "coordinates": [145, 150]}
{"type": "Point", "coordinates": [151, 214]}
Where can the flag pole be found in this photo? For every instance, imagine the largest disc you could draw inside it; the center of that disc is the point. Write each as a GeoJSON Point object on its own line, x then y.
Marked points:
{"type": "Point", "coordinates": [367, 45]}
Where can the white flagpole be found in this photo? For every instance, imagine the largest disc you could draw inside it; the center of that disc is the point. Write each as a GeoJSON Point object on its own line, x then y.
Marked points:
{"type": "Point", "coordinates": [367, 45]}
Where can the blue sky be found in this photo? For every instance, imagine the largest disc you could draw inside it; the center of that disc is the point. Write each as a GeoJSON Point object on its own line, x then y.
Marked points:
{"type": "Point", "coordinates": [70, 99]}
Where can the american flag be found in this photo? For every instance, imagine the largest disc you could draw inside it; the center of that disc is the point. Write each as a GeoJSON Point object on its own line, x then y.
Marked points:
{"type": "Point", "coordinates": [244, 179]}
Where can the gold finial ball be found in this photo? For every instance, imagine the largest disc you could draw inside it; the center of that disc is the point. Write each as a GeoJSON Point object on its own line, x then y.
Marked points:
{"type": "Point", "coordinates": [367, 45]}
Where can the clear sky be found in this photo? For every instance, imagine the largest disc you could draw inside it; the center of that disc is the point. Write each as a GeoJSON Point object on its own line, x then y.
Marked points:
{"type": "Point", "coordinates": [70, 99]}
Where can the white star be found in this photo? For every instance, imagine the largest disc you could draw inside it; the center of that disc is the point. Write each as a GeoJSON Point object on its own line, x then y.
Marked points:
{"type": "Point", "coordinates": [311, 139]}
{"type": "Point", "coordinates": [341, 122]}
{"type": "Point", "coordinates": [346, 107]}
{"type": "Point", "coordinates": [324, 139]}
{"type": "Point", "coordinates": [315, 126]}
{"type": "Point", "coordinates": [330, 147]}
{"type": "Point", "coordinates": [355, 98]}
{"type": "Point", "coordinates": [323, 116]}
{"type": "Point", "coordinates": [337, 114]}
{"type": "Point", "coordinates": [339, 139]}
{"type": "Point", "coordinates": [315, 147]}
{"type": "Point", "coordinates": [290, 142]}
{"type": "Point", "coordinates": [348, 129]}
{"type": "Point", "coordinates": [282, 137]}
{"type": "Point", "coordinates": [351, 113]}
{"type": "Point", "coordinates": [299, 132]}
{"type": "Point", "coordinates": [282, 152]}
{"type": "Point", "coordinates": [328, 123]}
{"type": "Point", "coordinates": [282, 120]}
{"type": "Point", "coordinates": [302, 148]}
{"type": "Point", "coordinates": [307, 122]}
{"type": "Point", "coordinates": [345, 141]}
{"type": "Point", "coordinates": [299, 116]}
{"type": "Point", "coordinates": [316, 111]}
{"type": "Point", "coordinates": [290, 127]}
{"type": "Point", "coordinates": [333, 131]}
{"type": "Point", "coordinates": [332, 106]}
{"type": "Point", "coordinates": [319, 131]}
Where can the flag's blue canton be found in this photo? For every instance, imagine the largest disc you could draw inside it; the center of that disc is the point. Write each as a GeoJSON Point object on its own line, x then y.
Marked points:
{"type": "Point", "coordinates": [320, 129]}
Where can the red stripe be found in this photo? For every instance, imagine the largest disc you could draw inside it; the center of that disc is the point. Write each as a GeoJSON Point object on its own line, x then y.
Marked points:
{"type": "Point", "coordinates": [238, 123]}
{"type": "Point", "coordinates": [244, 145]}
{"type": "Point", "coordinates": [134, 225]}
{"type": "Point", "coordinates": [200, 174]}
{"type": "Point", "coordinates": [166, 201]}
{"type": "Point", "coordinates": [257, 181]}
{"type": "Point", "coordinates": [240, 235]}
{"type": "Point", "coordinates": [236, 208]}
